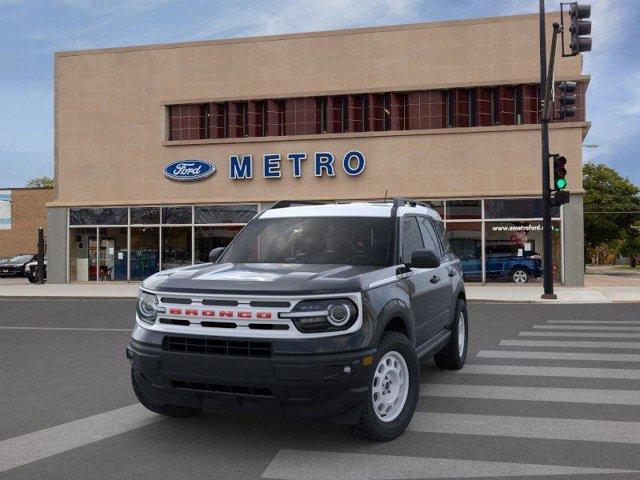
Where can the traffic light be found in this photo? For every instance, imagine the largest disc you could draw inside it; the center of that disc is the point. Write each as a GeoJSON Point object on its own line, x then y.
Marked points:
{"type": "Point", "coordinates": [567, 98]}
{"type": "Point", "coordinates": [559, 198]}
{"type": "Point", "coordinates": [580, 27]}
{"type": "Point", "coordinates": [559, 172]}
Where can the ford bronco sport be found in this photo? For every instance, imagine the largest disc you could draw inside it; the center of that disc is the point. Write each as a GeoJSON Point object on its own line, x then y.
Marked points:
{"type": "Point", "coordinates": [313, 310]}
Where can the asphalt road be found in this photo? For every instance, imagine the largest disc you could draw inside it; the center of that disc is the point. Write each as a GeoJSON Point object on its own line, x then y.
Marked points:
{"type": "Point", "coordinates": [548, 392]}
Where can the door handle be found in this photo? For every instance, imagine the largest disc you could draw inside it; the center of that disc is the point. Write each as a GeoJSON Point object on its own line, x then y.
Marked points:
{"type": "Point", "coordinates": [435, 279]}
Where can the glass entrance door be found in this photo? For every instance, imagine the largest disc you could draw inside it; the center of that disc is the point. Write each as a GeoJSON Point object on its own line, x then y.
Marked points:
{"type": "Point", "coordinates": [113, 255]}
{"type": "Point", "coordinates": [82, 254]}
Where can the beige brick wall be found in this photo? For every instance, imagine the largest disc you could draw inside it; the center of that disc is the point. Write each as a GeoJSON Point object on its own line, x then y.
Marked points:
{"type": "Point", "coordinates": [110, 114]}
{"type": "Point", "coordinates": [28, 212]}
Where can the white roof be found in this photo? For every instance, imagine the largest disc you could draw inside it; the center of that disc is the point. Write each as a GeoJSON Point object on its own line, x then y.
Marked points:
{"type": "Point", "coordinates": [355, 209]}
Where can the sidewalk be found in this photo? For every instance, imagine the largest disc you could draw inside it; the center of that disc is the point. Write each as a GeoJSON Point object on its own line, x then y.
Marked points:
{"type": "Point", "coordinates": [475, 291]}
{"type": "Point", "coordinates": [531, 294]}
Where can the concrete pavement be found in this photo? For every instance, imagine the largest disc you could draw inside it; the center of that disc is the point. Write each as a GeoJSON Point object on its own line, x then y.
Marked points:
{"type": "Point", "coordinates": [514, 411]}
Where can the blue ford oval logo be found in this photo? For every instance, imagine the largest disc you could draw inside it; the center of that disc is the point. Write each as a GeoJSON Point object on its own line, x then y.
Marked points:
{"type": "Point", "coordinates": [187, 170]}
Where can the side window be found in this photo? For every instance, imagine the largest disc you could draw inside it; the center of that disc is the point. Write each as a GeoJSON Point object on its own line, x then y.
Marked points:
{"type": "Point", "coordinates": [411, 238]}
{"type": "Point", "coordinates": [430, 238]}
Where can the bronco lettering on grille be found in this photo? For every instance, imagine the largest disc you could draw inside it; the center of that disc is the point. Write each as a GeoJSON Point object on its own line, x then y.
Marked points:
{"type": "Point", "coordinates": [244, 314]}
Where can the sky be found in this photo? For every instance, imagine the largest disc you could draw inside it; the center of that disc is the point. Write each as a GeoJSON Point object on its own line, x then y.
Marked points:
{"type": "Point", "coordinates": [31, 30]}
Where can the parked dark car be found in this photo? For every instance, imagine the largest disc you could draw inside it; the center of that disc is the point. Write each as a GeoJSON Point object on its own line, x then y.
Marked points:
{"type": "Point", "coordinates": [502, 263]}
{"type": "Point", "coordinates": [14, 267]}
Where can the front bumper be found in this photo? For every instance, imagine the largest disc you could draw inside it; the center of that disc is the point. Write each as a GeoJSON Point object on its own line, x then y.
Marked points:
{"type": "Point", "coordinates": [330, 386]}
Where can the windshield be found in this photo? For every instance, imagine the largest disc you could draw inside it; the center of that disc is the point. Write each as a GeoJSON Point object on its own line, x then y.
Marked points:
{"type": "Point", "coordinates": [20, 258]}
{"type": "Point", "coordinates": [314, 240]}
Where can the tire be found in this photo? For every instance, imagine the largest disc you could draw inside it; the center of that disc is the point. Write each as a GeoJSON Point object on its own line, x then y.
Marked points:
{"type": "Point", "coordinates": [395, 354]}
{"type": "Point", "coordinates": [454, 353]}
{"type": "Point", "coordinates": [31, 279]}
{"type": "Point", "coordinates": [167, 410]}
{"type": "Point", "coordinates": [519, 275]}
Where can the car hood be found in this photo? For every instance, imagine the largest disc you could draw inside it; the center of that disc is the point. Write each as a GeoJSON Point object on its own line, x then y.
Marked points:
{"type": "Point", "coordinates": [265, 278]}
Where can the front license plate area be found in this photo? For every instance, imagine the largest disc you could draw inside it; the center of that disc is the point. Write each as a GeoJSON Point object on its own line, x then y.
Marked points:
{"type": "Point", "coordinates": [217, 367]}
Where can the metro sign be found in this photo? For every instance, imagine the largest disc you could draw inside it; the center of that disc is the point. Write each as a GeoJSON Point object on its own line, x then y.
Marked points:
{"type": "Point", "coordinates": [238, 314]}
{"type": "Point", "coordinates": [324, 164]}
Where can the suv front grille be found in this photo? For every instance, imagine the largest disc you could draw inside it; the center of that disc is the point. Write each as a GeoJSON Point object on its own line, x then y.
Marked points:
{"type": "Point", "coordinates": [207, 346]}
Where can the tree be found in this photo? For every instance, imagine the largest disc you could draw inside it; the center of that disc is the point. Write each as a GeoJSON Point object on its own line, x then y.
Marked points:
{"type": "Point", "coordinates": [40, 182]}
{"type": "Point", "coordinates": [631, 246]}
{"type": "Point", "coordinates": [611, 205]}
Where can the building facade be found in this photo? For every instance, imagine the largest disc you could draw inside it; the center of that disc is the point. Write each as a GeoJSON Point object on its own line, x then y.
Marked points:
{"type": "Point", "coordinates": [445, 112]}
{"type": "Point", "coordinates": [22, 212]}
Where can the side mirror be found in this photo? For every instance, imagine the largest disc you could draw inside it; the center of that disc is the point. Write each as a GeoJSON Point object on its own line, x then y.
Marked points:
{"type": "Point", "coordinates": [425, 259]}
{"type": "Point", "coordinates": [215, 254]}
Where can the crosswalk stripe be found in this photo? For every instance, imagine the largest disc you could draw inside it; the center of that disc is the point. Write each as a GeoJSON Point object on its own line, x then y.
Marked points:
{"type": "Point", "coordinates": [606, 322]}
{"type": "Point", "coordinates": [319, 465]}
{"type": "Point", "coordinates": [612, 328]}
{"type": "Point", "coordinates": [527, 427]}
{"type": "Point", "coordinates": [533, 394]}
{"type": "Point", "coordinates": [568, 344]}
{"type": "Point", "coordinates": [31, 447]}
{"type": "Point", "coordinates": [535, 371]}
{"type": "Point", "coordinates": [598, 357]}
{"type": "Point", "coordinates": [580, 334]}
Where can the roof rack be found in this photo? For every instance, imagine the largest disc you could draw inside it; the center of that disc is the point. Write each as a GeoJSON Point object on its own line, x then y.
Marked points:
{"type": "Point", "coordinates": [291, 203]}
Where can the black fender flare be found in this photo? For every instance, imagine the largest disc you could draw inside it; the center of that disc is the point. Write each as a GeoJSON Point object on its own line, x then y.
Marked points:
{"type": "Point", "coordinates": [457, 294]}
{"type": "Point", "coordinates": [395, 309]}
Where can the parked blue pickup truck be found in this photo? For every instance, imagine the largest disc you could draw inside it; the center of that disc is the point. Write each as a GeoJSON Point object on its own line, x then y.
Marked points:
{"type": "Point", "coordinates": [502, 264]}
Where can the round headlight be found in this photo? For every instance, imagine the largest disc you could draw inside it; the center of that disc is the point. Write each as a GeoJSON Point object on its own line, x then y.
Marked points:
{"type": "Point", "coordinates": [323, 315]}
{"type": "Point", "coordinates": [338, 314]}
{"type": "Point", "coordinates": [147, 307]}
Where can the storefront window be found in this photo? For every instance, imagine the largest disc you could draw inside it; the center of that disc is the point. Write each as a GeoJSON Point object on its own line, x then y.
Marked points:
{"type": "Point", "coordinates": [145, 215]}
{"type": "Point", "coordinates": [98, 216]}
{"type": "Point", "coordinates": [514, 251]}
{"type": "Point", "coordinates": [176, 215]}
{"type": "Point", "coordinates": [225, 213]}
{"type": "Point", "coordinates": [176, 247]}
{"type": "Point", "coordinates": [516, 208]}
{"type": "Point", "coordinates": [208, 238]}
{"type": "Point", "coordinates": [145, 252]}
{"type": "Point", "coordinates": [464, 209]}
{"type": "Point", "coordinates": [112, 256]}
{"type": "Point", "coordinates": [82, 254]}
{"type": "Point", "coordinates": [465, 240]}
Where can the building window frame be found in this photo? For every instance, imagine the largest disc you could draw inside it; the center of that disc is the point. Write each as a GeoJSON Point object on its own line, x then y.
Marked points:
{"type": "Point", "coordinates": [160, 225]}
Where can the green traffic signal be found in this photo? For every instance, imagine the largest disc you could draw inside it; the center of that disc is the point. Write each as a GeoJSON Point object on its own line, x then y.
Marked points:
{"type": "Point", "coordinates": [559, 171]}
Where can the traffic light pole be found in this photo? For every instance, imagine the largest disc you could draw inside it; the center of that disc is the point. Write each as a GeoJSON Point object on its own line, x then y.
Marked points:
{"type": "Point", "coordinates": [547, 261]}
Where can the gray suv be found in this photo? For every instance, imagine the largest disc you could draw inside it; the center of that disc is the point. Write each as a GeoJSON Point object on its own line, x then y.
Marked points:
{"type": "Point", "coordinates": [319, 311]}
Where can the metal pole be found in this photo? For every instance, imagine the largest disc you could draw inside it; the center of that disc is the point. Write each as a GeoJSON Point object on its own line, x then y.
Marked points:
{"type": "Point", "coordinates": [546, 192]}
{"type": "Point", "coordinates": [40, 257]}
